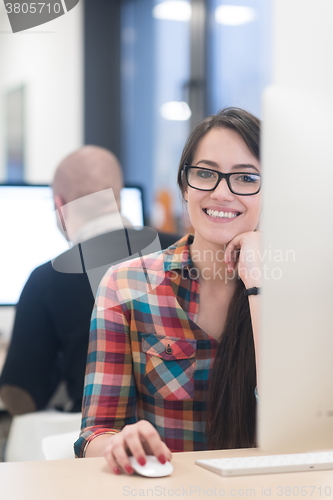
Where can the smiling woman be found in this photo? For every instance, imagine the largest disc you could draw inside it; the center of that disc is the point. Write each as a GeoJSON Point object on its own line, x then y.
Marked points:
{"type": "Point", "coordinates": [173, 369]}
{"type": "Point", "coordinates": [225, 218]}
{"type": "Point", "coordinates": [235, 169]}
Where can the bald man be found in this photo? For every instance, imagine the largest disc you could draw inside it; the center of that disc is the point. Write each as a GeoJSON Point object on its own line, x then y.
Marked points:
{"type": "Point", "coordinates": [90, 170]}
{"type": "Point", "coordinates": [51, 330]}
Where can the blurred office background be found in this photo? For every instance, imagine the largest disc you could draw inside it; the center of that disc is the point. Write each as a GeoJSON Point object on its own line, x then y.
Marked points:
{"type": "Point", "coordinates": [133, 76]}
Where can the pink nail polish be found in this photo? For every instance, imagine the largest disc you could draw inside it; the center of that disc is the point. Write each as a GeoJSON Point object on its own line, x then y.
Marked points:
{"type": "Point", "coordinates": [128, 469]}
{"type": "Point", "coordinates": [162, 459]}
{"type": "Point", "coordinates": [116, 470]}
{"type": "Point", "coordinates": [142, 461]}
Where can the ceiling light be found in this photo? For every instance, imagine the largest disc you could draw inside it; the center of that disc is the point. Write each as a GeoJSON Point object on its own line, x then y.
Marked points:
{"type": "Point", "coordinates": [234, 15]}
{"type": "Point", "coordinates": [175, 110]}
{"type": "Point", "coordinates": [173, 10]}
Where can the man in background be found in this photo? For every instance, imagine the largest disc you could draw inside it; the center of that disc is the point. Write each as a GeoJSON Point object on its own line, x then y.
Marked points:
{"type": "Point", "coordinates": [51, 329]}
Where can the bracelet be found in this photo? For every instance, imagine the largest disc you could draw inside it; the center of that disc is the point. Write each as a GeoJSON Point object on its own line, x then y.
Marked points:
{"type": "Point", "coordinates": [252, 291]}
{"type": "Point", "coordinates": [95, 436]}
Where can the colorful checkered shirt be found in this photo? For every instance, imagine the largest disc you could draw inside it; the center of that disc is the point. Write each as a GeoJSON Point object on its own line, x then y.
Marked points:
{"type": "Point", "coordinates": [147, 358]}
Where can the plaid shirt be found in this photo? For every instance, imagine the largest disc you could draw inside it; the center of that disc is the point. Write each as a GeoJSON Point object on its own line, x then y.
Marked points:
{"type": "Point", "coordinates": [147, 358]}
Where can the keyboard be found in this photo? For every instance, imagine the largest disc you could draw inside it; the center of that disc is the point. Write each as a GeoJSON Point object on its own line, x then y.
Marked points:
{"type": "Point", "coordinates": [269, 464]}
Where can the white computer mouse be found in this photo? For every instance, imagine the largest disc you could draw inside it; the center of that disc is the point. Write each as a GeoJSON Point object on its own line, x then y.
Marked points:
{"type": "Point", "coordinates": [153, 467]}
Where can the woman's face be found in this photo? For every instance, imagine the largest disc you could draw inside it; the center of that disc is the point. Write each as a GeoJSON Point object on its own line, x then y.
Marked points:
{"type": "Point", "coordinates": [223, 150]}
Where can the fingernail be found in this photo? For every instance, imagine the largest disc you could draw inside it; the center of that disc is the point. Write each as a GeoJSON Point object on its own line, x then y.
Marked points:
{"type": "Point", "coordinates": [116, 470]}
{"type": "Point", "coordinates": [128, 469]}
{"type": "Point", "coordinates": [142, 461]}
{"type": "Point", "coordinates": [162, 459]}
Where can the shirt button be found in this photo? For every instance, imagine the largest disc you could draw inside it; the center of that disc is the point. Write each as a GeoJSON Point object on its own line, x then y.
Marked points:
{"type": "Point", "coordinates": [168, 350]}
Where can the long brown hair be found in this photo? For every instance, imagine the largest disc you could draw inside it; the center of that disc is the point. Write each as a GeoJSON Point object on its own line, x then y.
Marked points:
{"type": "Point", "coordinates": [231, 418]}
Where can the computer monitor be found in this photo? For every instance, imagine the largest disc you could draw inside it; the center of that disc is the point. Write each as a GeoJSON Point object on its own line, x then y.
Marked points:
{"type": "Point", "coordinates": [30, 237]}
{"type": "Point", "coordinates": [295, 379]}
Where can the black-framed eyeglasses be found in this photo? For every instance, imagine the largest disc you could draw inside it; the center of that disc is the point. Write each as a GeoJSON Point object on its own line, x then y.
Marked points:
{"type": "Point", "coordinates": [206, 179]}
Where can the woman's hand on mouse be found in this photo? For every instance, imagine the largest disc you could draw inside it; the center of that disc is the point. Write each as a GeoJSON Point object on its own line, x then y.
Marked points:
{"type": "Point", "coordinates": [243, 253]}
{"type": "Point", "coordinates": [139, 439]}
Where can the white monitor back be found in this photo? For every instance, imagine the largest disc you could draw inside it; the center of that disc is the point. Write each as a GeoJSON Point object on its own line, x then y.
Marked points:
{"type": "Point", "coordinates": [295, 411]}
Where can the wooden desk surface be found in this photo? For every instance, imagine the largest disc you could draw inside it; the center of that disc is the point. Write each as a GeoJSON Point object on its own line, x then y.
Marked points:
{"type": "Point", "coordinates": [90, 479]}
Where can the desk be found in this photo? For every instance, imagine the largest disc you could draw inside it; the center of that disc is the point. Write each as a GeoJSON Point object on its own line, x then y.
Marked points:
{"type": "Point", "coordinates": [90, 479]}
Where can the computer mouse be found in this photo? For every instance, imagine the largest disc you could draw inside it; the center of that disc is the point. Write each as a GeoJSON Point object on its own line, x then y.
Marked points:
{"type": "Point", "coordinates": [153, 467]}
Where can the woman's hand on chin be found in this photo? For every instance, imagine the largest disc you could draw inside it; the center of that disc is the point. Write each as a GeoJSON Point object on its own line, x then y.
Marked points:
{"type": "Point", "coordinates": [243, 254]}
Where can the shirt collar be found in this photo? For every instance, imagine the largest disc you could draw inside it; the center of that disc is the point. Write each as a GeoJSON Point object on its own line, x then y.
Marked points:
{"type": "Point", "coordinates": [103, 224]}
{"type": "Point", "coordinates": [178, 255]}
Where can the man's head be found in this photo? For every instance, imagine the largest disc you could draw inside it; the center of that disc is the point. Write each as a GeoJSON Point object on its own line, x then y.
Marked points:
{"type": "Point", "coordinates": [89, 170]}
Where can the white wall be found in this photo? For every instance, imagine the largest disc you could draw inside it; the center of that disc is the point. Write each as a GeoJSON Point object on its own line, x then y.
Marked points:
{"type": "Point", "coordinates": [47, 59]}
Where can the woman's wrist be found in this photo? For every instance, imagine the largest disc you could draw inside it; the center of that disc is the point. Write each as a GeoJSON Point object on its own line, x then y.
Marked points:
{"type": "Point", "coordinates": [96, 445]}
{"type": "Point", "coordinates": [251, 277]}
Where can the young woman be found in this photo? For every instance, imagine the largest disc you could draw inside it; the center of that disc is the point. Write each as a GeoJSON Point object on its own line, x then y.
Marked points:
{"type": "Point", "coordinates": [171, 363]}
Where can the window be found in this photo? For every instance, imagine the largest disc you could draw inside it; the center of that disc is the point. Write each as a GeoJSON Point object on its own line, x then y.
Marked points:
{"type": "Point", "coordinates": [155, 71]}
{"type": "Point", "coordinates": [239, 53]}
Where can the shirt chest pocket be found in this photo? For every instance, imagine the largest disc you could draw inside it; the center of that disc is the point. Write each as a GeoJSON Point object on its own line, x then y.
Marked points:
{"type": "Point", "coordinates": [170, 367]}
